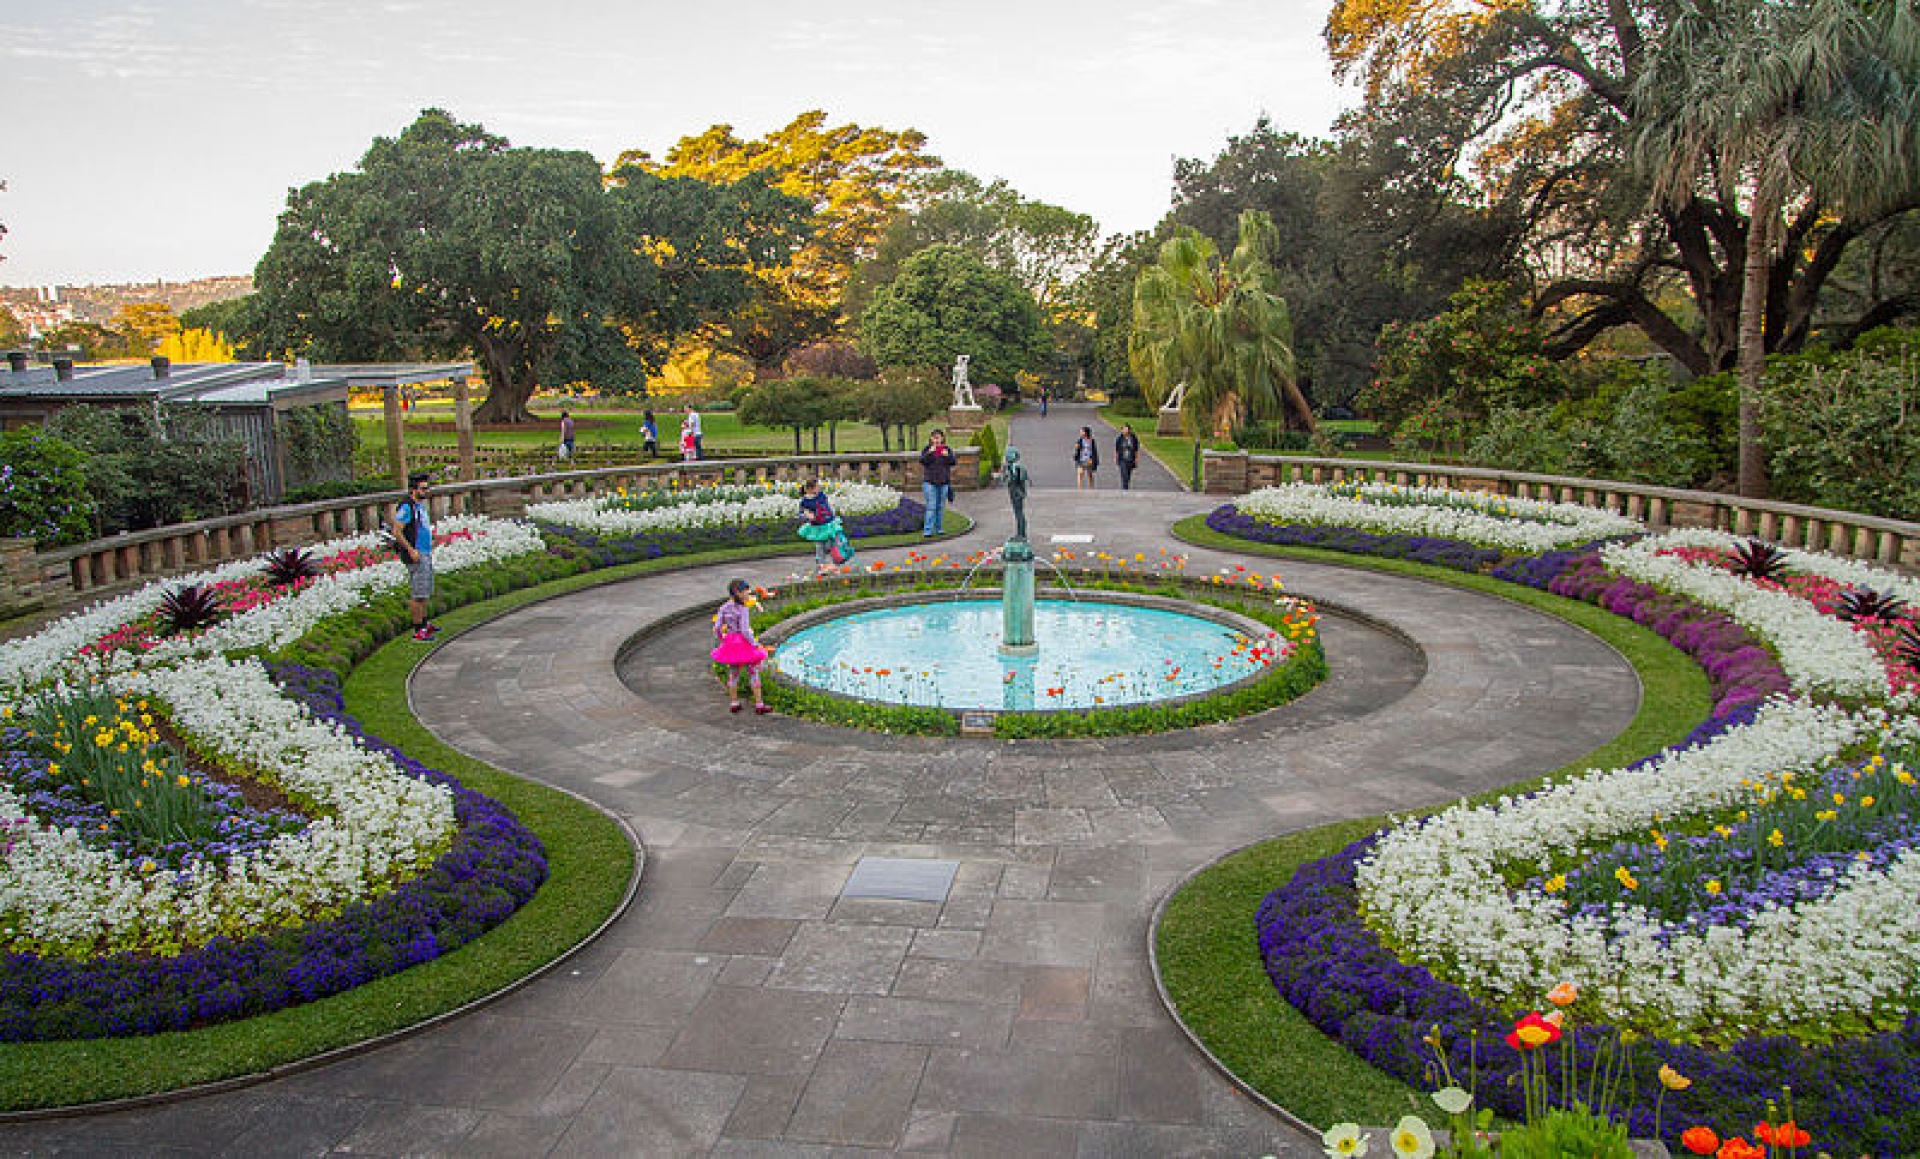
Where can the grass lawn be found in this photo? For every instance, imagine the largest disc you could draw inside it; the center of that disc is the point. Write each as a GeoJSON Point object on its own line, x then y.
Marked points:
{"type": "Point", "coordinates": [1208, 957]}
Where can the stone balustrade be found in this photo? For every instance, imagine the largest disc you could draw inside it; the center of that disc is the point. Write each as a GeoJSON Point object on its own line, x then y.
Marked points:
{"type": "Point", "coordinates": [66, 577]}
{"type": "Point", "coordinates": [1869, 538]}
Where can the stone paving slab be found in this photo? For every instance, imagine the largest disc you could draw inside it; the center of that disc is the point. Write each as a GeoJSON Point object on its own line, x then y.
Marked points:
{"type": "Point", "coordinates": [744, 1006]}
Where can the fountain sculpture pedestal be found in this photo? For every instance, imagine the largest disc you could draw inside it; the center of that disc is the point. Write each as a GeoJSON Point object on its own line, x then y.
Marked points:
{"type": "Point", "coordinates": [1016, 599]}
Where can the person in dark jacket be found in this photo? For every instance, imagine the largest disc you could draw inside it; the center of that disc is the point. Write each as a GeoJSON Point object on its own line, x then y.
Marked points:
{"type": "Point", "coordinates": [1086, 457]}
{"type": "Point", "coordinates": [936, 481]}
{"type": "Point", "coordinates": [1126, 455]}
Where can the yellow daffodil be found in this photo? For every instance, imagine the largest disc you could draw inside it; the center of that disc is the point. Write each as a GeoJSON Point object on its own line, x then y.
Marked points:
{"type": "Point", "coordinates": [1673, 1080]}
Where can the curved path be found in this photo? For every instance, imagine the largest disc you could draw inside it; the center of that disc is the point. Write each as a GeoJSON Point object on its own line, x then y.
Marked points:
{"type": "Point", "coordinates": [747, 1004]}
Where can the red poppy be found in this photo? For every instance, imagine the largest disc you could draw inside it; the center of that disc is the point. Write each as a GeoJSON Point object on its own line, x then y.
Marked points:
{"type": "Point", "coordinates": [1532, 1031]}
{"type": "Point", "coordinates": [1700, 1140]}
{"type": "Point", "coordinates": [1738, 1148]}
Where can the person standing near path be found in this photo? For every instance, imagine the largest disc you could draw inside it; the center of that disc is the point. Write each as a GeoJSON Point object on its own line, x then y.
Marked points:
{"type": "Point", "coordinates": [412, 530]}
{"type": "Point", "coordinates": [936, 481]}
{"type": "Point", "coordinates": [1043, 402]}
{"type": "Point", "coordinates": [566, 435]}
{"type": "Point", "coordinates": [693, 421]}
{"type": "Point", "coordinates": [736, 646]}
{"type": "Point", "coordinates": [819, 525]}
{"type": "Point", "coordinates": [649, 435]}
{"type": "Point", "coordinates": [689, 442]}
{"type": "Point", "coordinates": [1126, 455]}
{"type": "Point", "coordinates": [1086, 458]}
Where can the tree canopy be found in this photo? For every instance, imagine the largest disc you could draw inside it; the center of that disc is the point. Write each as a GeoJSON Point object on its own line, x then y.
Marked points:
{"type": "Point", "coordinates": [448, 241]}
{"type": "Point", "coordinates": [947, 301]}
{"type": "Point", "coordinates": [1528, 108]}
{"type": "Point", "coordinates": [854, 178]}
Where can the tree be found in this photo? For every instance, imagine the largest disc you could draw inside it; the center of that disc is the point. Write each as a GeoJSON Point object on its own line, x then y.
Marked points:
{"type": "Point", "coordinates": [231, 319]}
{"type": "Point", "coordinates": [92, 341]}
{"type": "Point", "coordinates": [804, 403]}
{"type": "Point", "coordinates": [1215, 333]}
{"type": "Point", "coordinates": [1809, 106]}
{"type": "Point", "coordinates": [948, 302]}
{"type": "Point", "coordinates": [1481, 354]}
{"type": "Point", "coordinates": [1527, 108]}
{"type": "Point", "coordinates": [196, 345]}
{"type": "Point", "coordinates": [1044, 247]}
{"type": "Point", "coordinates": [854, 178]}
{"type": "Point", "coordinates": [147, 325]}
{"type": "Point", "coordinates": [900, 400]}
{"type": "Point", "coordinates": [12, 333]}
{"type": "Point", "coordinates": [447, 241]}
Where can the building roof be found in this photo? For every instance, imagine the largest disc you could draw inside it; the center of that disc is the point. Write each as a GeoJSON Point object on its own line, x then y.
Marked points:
{"type": "Point", "coordinates": [212, 383]}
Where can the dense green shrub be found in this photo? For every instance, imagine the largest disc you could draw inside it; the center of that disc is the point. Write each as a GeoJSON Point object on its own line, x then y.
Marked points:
{"type": "Point", "coordinates": [317, 443]}
{"type": "Point", "coordinates": [1844, 430]}
{"type": "Point", "coordinates": [149, 467]}
{"type": "Point", "coordinates": [1635, 427]}
{"type": "Point", "coordinates": [43, 489]}
{"type": "Point", "coordinates": [337, 489]}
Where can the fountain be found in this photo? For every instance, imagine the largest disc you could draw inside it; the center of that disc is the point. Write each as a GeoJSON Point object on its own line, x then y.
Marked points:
{"type": "Point", "coordinates": [940, 649]}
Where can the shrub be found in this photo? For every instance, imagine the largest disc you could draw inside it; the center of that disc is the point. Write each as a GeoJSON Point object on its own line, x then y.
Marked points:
{"type": "Point", "coordinates": [43, 489]}
{"type": "Point", "coordinates": [1844, 431]}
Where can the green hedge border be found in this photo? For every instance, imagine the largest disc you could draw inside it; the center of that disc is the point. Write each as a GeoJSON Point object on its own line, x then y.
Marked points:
{"type": "Point", "coordinates": [593, 865]}
{"type": "Point", "coordinates": [1206, 959]}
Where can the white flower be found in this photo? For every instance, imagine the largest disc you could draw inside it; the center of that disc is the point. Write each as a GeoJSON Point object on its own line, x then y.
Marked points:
{"type": "Point", "coordinates": [1345, 1139]}
{"type": "Point", "coordinates": [713, 507]}
{"type": "Point", "coordinates": [1412, 1138]}
{"type": "Point", "coordinates": [1452, 1100]}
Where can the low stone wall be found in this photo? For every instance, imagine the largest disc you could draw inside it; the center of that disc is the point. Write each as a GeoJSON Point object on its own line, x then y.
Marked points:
{"type": "Point", "coordinates": [1891, 542]}
{"type": "Point", "coordinates": [70, 576]}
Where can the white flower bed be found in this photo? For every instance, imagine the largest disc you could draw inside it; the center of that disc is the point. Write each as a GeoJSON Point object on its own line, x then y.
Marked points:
{"type": "Point", "coordinates": [1435, 889]}
{"type": "Point", "coordinates": [1820, 563]}
{"type": "Point", "coordinates": [1820, 654]}
{"type": "Point", "coordinates": [774, 503]}
{"type": "Point", "coordinates": [52, 653]}
{"type": "Point", "coordinates": [1519, 525]}
{"type": "Point", "coordinates": [376, 826]}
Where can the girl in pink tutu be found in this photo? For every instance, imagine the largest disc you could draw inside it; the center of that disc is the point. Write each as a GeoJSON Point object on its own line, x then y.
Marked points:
{"type": "Point", "coordinates": [737, 649]}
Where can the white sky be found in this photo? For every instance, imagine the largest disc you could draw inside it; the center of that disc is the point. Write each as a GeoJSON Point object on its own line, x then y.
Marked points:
{"type": "Point", "coordinates": [159, 139]}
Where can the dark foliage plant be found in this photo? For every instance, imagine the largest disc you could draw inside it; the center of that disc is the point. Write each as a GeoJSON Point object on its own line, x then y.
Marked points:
{"type": "Point", "coordinates": [1909, 644]}
{"type": "Point", "coordinates": [287, 566]}
{"type": "Point", "coordinates": [1867, 604]}
{"type": "Point", "coordinates": [188, 608]}
{"type": "Point", "coordinates": [1758, 559]}
{"type": "Point", "coordinates": [493, 868]}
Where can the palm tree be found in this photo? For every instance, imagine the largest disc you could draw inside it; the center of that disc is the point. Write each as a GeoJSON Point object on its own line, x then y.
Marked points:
{"type": "Point", "coordinates": [1791, 104]}
{"type": "Point", "coordinates": [1212, 336]}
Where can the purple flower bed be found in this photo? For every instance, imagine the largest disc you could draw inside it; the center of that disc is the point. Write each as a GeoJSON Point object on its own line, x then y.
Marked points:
{"type": "Point", "coordinates": [494, 867]}
{"type": "Point", "coordinates": [1859, 1095]}
{"type": "Point", "coordinates": [1742, 670]}
{"type": "Point", "coordinates": [1227, 520]}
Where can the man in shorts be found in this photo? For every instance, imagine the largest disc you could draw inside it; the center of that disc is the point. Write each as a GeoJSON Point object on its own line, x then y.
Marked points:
{"type": "Point", "coordinates": [412, 530]}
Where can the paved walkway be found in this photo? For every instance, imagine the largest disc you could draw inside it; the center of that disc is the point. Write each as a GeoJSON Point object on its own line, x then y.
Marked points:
{"type": "Point", "coordinates": [746, 1006]}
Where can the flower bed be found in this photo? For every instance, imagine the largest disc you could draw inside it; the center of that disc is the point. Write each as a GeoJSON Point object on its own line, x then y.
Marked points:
{"type": "Point", "coordinates": [624, 514]}
{"type": "Point", "coordinates": [1495, 521]}
{"type": "Point", "coordinates": [1747, 903]}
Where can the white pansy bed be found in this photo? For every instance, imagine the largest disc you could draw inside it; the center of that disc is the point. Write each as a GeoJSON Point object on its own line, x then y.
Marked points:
{"type": "Point", "coordinates": [1510, 524]}
{"type": "Point", "coordinates": [767, 503]}
{"type": "Point", "coordinates": [375, 826]}
{"type": "Point", "coordinates": [1438, 889]}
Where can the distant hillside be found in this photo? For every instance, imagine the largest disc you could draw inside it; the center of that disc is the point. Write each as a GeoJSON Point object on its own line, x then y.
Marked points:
{"type": "Point", "coordinates": [100, 303]}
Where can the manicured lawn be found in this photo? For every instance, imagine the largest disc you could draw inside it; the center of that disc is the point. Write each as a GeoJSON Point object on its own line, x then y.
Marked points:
{"type": "Point", "coordinates": [431, 425]}
{"type": "Point", "coordinates": [1207, 953]}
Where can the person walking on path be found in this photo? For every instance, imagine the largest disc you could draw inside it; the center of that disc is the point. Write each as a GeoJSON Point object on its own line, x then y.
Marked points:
{"type": "Point", "coordinates": [736, 646]}
{"type": "Point", "coordinates": [1043, 402]}
{"type": "Point", "coordinates": [819, 525]}
{"type": "Point", "coordinates": [936, 481]}
{"type": "Point", "coordinates": [689, 442]}
{"type": "Point", "coordinates": [1086, 459]}
{"type": "Point", "coordinates": [566, 435]}
{"type": "Point", "coordinates": [649, 435]}
{"type": "Point", "coordinates": [412, 530]}
{"type": "Point", "coordinates": [1126, 455]}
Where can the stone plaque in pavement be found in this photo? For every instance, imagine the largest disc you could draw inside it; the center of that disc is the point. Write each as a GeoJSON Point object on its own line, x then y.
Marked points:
{"type": "Point", "coordinates": [901, 878]}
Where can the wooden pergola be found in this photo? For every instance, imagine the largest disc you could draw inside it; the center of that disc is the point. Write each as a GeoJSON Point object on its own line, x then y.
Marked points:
{"type": "Point", "coordinates": [392, 378]}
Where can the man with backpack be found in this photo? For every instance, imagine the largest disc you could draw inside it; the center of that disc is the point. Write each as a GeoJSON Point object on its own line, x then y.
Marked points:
{"type": "Point", "coordinates": [412, 532]}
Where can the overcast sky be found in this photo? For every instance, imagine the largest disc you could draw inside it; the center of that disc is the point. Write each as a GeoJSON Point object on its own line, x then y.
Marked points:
{"type": "Point", "coordinates": [159, 139]}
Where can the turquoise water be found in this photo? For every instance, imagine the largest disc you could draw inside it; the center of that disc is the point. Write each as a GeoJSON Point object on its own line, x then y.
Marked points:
{"type": "Point", "coordinates": [1090, 654]}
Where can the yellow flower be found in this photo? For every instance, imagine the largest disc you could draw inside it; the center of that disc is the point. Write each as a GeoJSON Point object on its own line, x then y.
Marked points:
{"type": "Point", "coordinates": [1673, 1080]}
{"type": "Point", "coordinates": [1555, 884]}
{"type": "Point", "coordinates": [183, 781]}
{"type": "Point", "coordinates": [1625, 879]}
{"type": "Point", "coordinates": [1825, 815]}
{"type": "Point", "coordinates": [1713, 887]}
{"type": "Point", "coordinates": [1776, 839]}
{"type": "Point", "coordinates": [1839, 798]}
{"type": "Point", "coordinates": [1565, 994]}
{"type": "Point", "coordinates": [1866, 802]}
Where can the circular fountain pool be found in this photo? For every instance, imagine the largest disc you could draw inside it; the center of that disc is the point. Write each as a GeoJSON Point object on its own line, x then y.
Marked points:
{"type": "Point", "coordinates": [1090, 654]}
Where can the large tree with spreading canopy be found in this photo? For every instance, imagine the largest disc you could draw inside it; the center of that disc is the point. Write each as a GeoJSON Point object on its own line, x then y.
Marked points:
{"type": "Point", "coordinates": [448, 241]}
